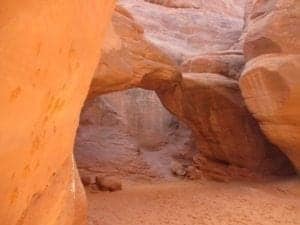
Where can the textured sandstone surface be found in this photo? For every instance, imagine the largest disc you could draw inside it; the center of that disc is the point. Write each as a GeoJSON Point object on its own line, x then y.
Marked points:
{"type": "Point", "coordinates": [131, 135]}
{"type": "Point", "coordinates": [128, 59]}
{"type": "Point", "coordinates": [227, 63]}
{"type": "Point", "coordinates": [130, 132]}
{"type": "Point", "coordinates": [207, 96]}
{"type": "Point", "coordinates": [272, 27]}
{"type": "Point", "coordinates": [188, 28]}
{"type": "Point", "coordinates": [140, 112]}
{"type": "Point", "coordinates": [270, 86]}
{"type": "Point", "coordinates": [213, 107]}
{"type": "Point", "coordinates": [48, 50]}
{"type": "Point", "coordinates": [270, 82]}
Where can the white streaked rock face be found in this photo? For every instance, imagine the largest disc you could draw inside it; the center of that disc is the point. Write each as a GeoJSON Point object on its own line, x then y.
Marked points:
{"type": "Point", "coordinates": [188, 28]}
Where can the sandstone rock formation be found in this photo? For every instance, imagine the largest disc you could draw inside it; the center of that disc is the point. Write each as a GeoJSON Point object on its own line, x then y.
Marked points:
{"type": "Point", "coordinates": [212, 106]}
{"type": "Point", "coordinates": [227, 63]}
{"type": "Point", "coordinates": [230, 7]}
{"type": "Point", "coordinates": [272, 27]}
{"type": "Point", "coordinates": [206, 96]}
{"type": "Point", "coordinates": [185, 28]}
{"type": "Point", "coordinates": [137, 111]}
{"type": "Point", "coordinates": [270, 82]}
{"type": "Point", "coordinates": [131, 135]}
{"type": "Point", "coordinates": [108, 183]}
{"type": "Point", "coordinates": [86, 180]}
{"type": "Point", "coordinates": [128, 59]}
{"type": "Point", "coordinates": [48, 50]}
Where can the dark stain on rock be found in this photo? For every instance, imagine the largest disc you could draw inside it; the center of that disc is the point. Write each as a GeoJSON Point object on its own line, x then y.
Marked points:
{"type": "Point", "coordinates": [38, 49]}
{"type": "Point", "coordinates": [260, 46]}
{"type": "Point", "coordinates": [14, 196]}
{"type": "Point", "coordinates": [26, 171]}
{"type": "Point", "coordinates": [15, 93]}
{"type": "Point", "coordinates": [36, 143]}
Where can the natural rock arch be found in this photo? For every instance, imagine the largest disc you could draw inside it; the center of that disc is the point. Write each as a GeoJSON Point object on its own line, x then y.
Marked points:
{"type": "Point", "coordinates": [45, 71]}
{"type": "Point", "coordinates": [206, 98]}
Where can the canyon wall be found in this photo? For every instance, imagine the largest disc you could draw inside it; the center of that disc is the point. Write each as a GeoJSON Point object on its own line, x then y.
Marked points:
{"type": "Point", "coordinates": [270, 82]}
{"type": "Point", "coordinates": [49, 51]}
{"type": "Point", "coordinates": [142, 115]}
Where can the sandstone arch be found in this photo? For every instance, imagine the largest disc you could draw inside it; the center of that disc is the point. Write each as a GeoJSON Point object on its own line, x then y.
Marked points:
{"type": "Point", "coordinates": [204, 94]}
{"type": "Point", "coordinates": [49, 51]}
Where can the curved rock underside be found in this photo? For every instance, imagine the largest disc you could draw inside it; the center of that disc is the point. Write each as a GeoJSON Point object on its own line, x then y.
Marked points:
{"type": "Point", "coordinates": [128, 59]}
{"type": "Point", "coordinates": [270, 82]}
{"type": "Point", "coordinates": [228, 63]}
{"type": "Point", "coordinates": [213, 107]}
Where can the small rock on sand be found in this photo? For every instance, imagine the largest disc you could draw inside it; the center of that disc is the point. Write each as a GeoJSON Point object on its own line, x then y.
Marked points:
{"type": "Point", "coordinates": [108, 183]}
{"type": "Point", "coordinates": [86, 180]}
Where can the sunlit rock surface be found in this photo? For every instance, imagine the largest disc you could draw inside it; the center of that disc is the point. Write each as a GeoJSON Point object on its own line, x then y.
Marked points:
{"type": "Point", "coordinates": [49, 51]}
{"type": "Point", "coordinates": [129, 60]}
{"type": "Point", "coordinates": [206, 96]}
{"type": "Point", "coordinates": [270, 82]}
{"type": "Point", "coordinates": [187, 28]}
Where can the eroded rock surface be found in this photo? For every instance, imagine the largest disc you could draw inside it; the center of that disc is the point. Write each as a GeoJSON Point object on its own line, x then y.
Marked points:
{"type": "Point", "coordinates": [131, 135]}
{"type": "Point", "coordinates": [128, 59]}
{"type": "Point", "coordinates": [48, 51]}
{"type": "Point", "coordinates": [227, 63]}
{"type": "Point", "coordinates": [108, 184]}
{"type": "Point", "coordinates": [187, 28]}
{"type": "Point", "coordinates": [272, 27]}
{"type": "Point", "coordinates": [213, 107]}
{"type": "Point", "coordinates": [207, 96]}
{"type": "Point", "coordinates": [270, 82]}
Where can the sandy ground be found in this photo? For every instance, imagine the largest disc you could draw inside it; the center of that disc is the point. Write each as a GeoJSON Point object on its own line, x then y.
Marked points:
{"type": "Point", "coordinates": [108, 144]}
{"type": "Point", "coordinates": [198, 203]}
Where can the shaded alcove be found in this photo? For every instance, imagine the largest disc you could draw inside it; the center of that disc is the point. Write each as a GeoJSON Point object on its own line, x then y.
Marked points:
{"type": "Point", "coordinates": [129, 134]}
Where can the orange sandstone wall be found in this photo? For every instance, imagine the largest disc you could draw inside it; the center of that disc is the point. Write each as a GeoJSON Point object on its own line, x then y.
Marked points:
{"type": "Point", "coordinates": [270, 82]}
{"type": "Point", "coordinates": [49, 51]}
